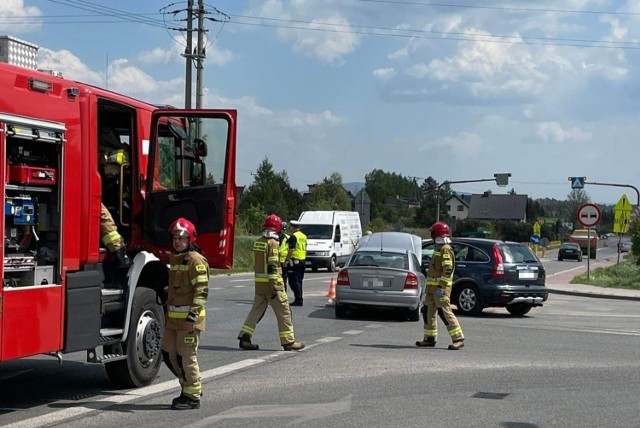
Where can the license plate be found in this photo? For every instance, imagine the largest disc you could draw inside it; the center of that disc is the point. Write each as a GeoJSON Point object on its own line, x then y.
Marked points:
{"type": "Point", "coordinates": [527, 275]}
{"type": "Point", "coordinates": [374, 283]}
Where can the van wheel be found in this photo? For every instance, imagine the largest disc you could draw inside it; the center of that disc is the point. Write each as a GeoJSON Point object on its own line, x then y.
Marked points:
{"type": "Point", "coordinates": [332, 265]}
{"type": "Point", "coordinates": [468, 300]}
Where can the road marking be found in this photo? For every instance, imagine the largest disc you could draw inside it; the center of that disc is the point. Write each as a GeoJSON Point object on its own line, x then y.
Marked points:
{"type": "Point", "coordinates": [72, 412]}
{"type": "Point", "coordinates": [352, 332]}
{"type": "Point", "coordinates": [373, 325]}
{"type": "Point", "coordinates": [579, 330]}
{"type": "Point", "coordinates": [239, 286]}
{"type": "Point", "coordinates": [296, 413]}
{"type": "Point", "coordinates": [328, 339]}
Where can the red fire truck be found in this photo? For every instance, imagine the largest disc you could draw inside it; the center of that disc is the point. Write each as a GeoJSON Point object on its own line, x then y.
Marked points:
{"type": "Point", "coordinates": [68, 147]}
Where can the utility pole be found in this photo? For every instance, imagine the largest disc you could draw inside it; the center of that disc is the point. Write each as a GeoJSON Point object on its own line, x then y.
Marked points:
{"type": "Point", "coordinates": [200, 55]}
{"type": "Point", "coordinates": [188, 54]}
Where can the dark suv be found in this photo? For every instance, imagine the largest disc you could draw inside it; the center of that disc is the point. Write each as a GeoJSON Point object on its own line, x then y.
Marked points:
{"type": "Point", "coordinates": [492, 273]}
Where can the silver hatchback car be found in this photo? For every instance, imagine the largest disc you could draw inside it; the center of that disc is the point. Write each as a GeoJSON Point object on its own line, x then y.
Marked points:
{"type": "Point", "coordinates": [384, 272]}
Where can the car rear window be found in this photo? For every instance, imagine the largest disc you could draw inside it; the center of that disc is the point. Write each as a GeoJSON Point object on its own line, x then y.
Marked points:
{"type": "Point", "coordinates": [380, 259]}
{"type": "Point", "coordinates": [517, 253]}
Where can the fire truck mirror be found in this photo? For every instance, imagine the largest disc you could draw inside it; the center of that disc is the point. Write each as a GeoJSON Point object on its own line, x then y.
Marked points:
{"type": "Point", "coordinates": [177, 131]}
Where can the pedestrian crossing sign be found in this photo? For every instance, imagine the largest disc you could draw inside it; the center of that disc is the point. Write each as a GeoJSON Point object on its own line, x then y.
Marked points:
{"type": "Point", "coordinates": [577, 182]}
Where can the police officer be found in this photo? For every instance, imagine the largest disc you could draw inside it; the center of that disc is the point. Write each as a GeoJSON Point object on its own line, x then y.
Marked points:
{"type": "Point", "coordinates": [439, 283]}
{"type": "Point", "coordinates": [295, 261]}
{"type": "Point", "coordinates": [269, 289]}
{"type": "Point", "coordinates": [186, 300]}
{"type": "Point", "coordinates": [282, 252]}
{"type": "Point", "coordinates": [111, 238]}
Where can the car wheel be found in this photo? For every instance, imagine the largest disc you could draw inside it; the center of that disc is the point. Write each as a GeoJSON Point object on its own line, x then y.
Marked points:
{"type": "Point", "coordinates": [332, 265]}
{"type": "Point", "coordinates": [468, 300]}
{"type": "Point", "coordinates": [414, 314]}
{"type": "Point", "coordinates": [519, 309]}
{"type": "Point", "coordinates": [580, 258]}
{"type": "Point", "coordinates": [559, 259]}
{"type": "Point", "coordinates": [314, 269]}
{"type": "Point", "coordinates": [341, 311]}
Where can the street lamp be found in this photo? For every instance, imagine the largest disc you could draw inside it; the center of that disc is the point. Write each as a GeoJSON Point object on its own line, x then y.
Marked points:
{"type": "Point", "coordinates": [501, 179]}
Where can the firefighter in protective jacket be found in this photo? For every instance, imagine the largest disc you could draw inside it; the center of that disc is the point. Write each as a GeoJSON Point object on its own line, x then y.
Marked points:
{"type": "Point", "coordinates": [439, 283]}
{"type": "Point", "coordinates": [111, 238]}
{"type": "Point", "coordinates": [186, 300]}
{"type": "Point", "coordinates": [269, 289]}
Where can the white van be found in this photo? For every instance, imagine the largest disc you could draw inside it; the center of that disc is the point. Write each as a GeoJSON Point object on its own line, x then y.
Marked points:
{"type": "Point", "coordinates": [331, 237]}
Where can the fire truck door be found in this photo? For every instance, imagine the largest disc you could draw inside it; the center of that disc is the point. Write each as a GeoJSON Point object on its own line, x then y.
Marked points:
{"type": "Point", "coordinates": [192, 175]}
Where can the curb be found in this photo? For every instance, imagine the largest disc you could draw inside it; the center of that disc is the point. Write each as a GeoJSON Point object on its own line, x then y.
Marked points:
{"type": "Point", "coordinates": [594, 295]}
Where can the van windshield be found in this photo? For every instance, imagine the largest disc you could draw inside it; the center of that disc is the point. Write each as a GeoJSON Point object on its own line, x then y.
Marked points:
{"type": "Point", "coordinates": [317, 231]}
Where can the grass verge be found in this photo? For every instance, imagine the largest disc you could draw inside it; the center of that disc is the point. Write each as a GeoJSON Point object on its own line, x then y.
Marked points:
{"type": "Point", "coordinates": [624, 275]}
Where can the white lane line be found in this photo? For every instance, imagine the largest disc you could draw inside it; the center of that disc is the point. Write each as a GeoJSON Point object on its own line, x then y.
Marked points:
{"type": "Point", "coordinates": [241, 280]}
{"type": "Point", "coordinates": [353, 332]}
{"type": "Point", "coordinates": [72, 412]}
{"type": "Point", "coordinates": [373, 325]}
{"type": "Point", "coordinates": [239, 286]}
{"type": "Point", "coordinates": [579, 330]}
{"type": "Point", "coordinates": [328, 339]}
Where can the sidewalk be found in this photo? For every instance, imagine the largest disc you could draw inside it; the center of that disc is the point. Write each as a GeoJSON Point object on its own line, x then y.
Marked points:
{"type": "Point", "coordinates": [560, 283]}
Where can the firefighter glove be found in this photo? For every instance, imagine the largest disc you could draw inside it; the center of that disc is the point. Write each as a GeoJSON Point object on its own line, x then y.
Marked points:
{"type": "Point", "coordinates": [120, 258]}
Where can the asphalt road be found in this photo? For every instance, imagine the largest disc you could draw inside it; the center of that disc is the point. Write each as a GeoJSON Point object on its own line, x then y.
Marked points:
{"type": "Point", "coordinates": [573, 362]}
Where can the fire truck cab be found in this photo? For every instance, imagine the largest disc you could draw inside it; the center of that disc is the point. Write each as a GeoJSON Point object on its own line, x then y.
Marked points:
{"type": "Point", "coordinates": [68, 148]}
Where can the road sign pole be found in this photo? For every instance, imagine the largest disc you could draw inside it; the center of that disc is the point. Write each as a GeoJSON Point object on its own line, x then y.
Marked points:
{"type": "Point", "coordinates": [588, 251]}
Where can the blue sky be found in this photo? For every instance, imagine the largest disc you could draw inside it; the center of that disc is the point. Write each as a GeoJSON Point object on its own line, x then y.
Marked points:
{"type": "Point", "coordinates": [541, 89]}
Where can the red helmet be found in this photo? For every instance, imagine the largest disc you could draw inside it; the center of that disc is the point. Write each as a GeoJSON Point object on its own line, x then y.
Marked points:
{"type": "Point", "coordinates": [183, 227]}
{"type": "Point", "coordinates": [440, 229]}
{"type": "Point", "coordinates": [273, 222]}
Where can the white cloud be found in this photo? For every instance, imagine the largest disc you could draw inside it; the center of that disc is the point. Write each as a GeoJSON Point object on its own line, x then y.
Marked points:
{"type": "Point", "coordinates": [16, 18]}
{"type": "Point", "coordinates": [70, 65]}
{"type": "Point", "coordinates": [384, 73]}
{"type": "Point", "coordinates": [463, 144]}
{"type": "Point", "coordinates": [173, 54]}
{"type": "Point", "coordinates": [325, 33]}
{"type": "Point", "coordinates": [552, 132]}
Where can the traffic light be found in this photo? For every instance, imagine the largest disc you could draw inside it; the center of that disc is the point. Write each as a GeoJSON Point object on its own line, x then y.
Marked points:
{"type": "Point", "coordinates": [502, 179]}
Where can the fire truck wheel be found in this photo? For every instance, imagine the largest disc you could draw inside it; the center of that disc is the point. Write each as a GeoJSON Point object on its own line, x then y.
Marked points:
{"type": "Point", "coordinates": [142, 347]}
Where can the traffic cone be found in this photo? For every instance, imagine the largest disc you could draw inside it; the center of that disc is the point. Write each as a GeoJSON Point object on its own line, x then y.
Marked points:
{"type": "Point", "coordinates": [332, 292]}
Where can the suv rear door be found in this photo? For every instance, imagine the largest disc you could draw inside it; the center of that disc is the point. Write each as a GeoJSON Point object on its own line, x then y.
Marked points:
{"type": "Point", "coordinates": [521, 266]}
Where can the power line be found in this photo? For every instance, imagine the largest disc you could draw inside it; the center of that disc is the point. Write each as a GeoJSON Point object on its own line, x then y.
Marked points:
{"type": "Point", "coordinates": [459, 36]}
{"type": "Point", "coordinates": [503, 8]}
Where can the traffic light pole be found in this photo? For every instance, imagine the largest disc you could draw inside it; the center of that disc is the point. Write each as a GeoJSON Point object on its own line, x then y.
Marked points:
{"type": "Point", "coordinates": [619, 185]}
{"type": "Point", "coordinates": [501, 179]}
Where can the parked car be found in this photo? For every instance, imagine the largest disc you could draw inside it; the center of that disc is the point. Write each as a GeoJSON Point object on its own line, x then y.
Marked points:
{"type": "Point", "coordinates": [570, 250]}
{"type": "Point", "coordinates": [492, 273]}
{"type": "Point", "coordinates": [383, 272]}
{"type": "Point", "coordinates": [624, 246]}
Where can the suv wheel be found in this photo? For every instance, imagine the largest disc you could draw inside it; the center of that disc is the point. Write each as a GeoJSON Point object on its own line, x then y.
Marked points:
{"type": "Point", "coordinates": [468, 300]}
{"type": "Point", "coordinates": [519, 309]}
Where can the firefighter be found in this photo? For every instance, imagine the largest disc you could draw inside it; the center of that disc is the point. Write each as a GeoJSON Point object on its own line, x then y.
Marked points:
{"type": "Point", "coordinates": [295, 261]}
{"type": "Point", "coordinates": [439, 283]}
{"type": "Point", "coordinates": [282, 252]}
{"type": "Point", "coordinates": [269, 289]}
{"type": "Point", "coordinates": [186, 300]}
{"type": "Point", "coordinates": [112, 239]}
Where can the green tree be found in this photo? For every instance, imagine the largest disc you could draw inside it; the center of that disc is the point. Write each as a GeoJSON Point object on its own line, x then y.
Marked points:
{"type": "Point", "coordinates": [329, 195]}
{"type": "Point", "coordinates": [426, 212]}
{"type": "Point", "coordinates": [391, 194]}
{"type": "Point", "coordinates": [270, 192]}
{"type": "Point", "coordinates": [575, 198]}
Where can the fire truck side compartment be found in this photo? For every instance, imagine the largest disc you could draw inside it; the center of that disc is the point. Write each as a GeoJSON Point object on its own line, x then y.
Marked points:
{"type": "Point", "coordinates": [82, 312]}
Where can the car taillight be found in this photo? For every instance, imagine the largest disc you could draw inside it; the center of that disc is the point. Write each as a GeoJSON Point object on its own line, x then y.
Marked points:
{"type": "Point", "coordinates": [411, 283]}
{"type": "Point", "coordinates": [498, 267]}
{"type": "Point", "coordinates": [343, 278]}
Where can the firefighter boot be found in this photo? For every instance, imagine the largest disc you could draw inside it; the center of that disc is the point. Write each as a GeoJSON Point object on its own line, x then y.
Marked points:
{"type": "Point", "coordinates": [429, 342]}
{"type": "Point", "coordinates": [456, 345]}
{"type": "Point", "coordinates": [245, 343]}
{"type": "Point", "coordinates": [293, 346]}
{"type": "Point", "coordinates": [120, 258]}
{"type": "Point", "coordinates": [185, 403]}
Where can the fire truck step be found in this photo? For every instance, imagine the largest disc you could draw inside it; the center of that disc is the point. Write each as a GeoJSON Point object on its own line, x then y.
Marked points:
{"type": "Point", "coordinates": [112, 291]}
{"type": "Point", "coordinates": [109, 332]}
